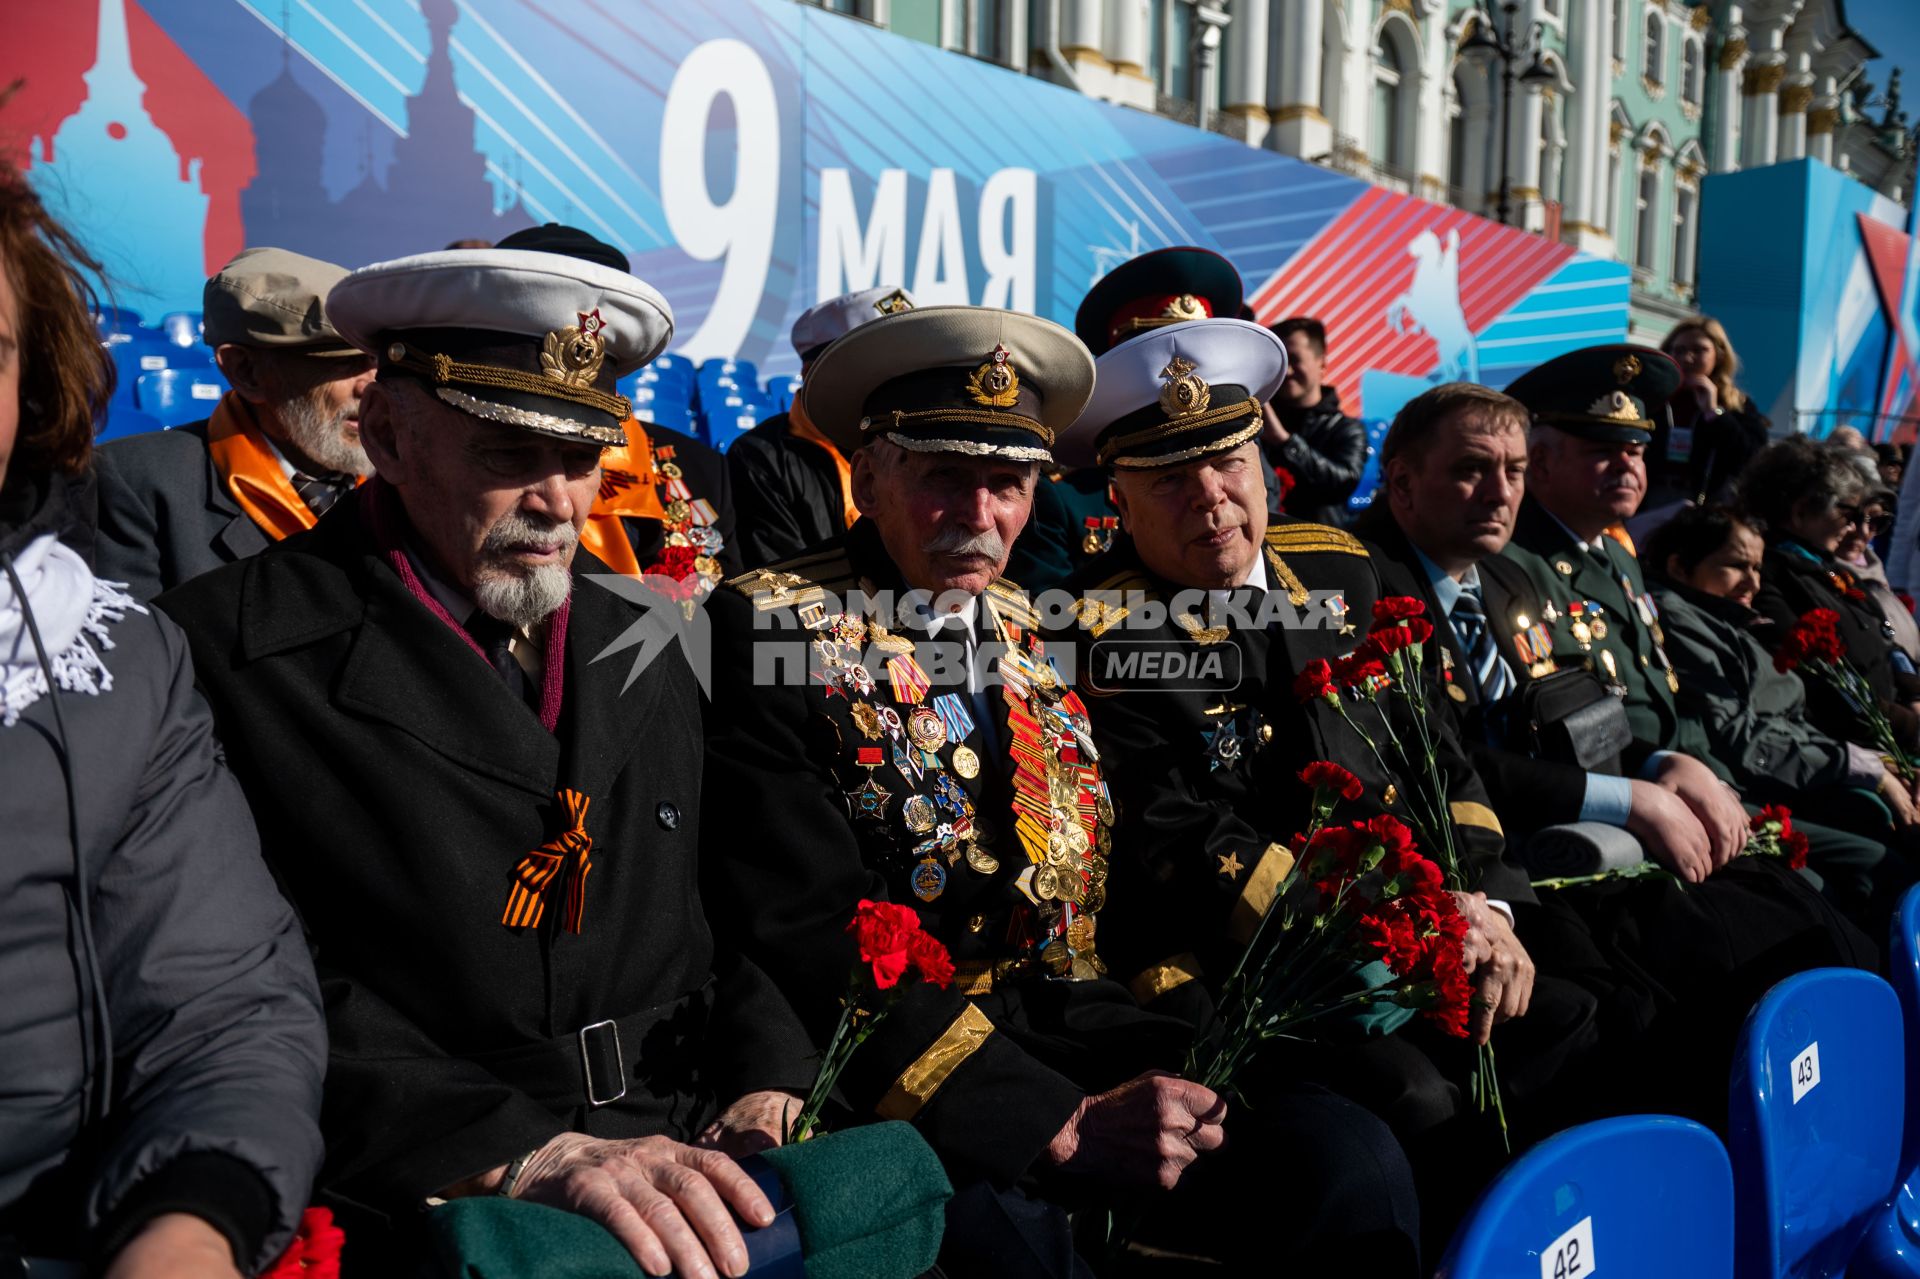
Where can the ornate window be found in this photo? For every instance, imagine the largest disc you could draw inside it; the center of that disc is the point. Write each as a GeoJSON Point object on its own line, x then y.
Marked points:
{"type": "Point", "coordinates": [1692, 71]}
{"type": "Point", "coordinates": [1685, 201]}
{"type": "Point", "coordinates": [1647, 204]}
{"type": "Point", "coordinates": [1656, 47]}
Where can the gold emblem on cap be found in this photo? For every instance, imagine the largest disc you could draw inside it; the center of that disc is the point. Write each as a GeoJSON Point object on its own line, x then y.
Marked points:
{"type": "Point", "coordinates": [1616, 406]}
{"type": "Point", "coordinates": [1626, 368]}
{"type": "Point", "coordinates": [573, 355]}
{"type": "Point", "coordinates": [1184, 393]}
{"type": "Point", "coordinates": [894, 303]}
{"type": "Point", "coordinates": [1185, 307]}
{"type": "Point", "coordinates": [996, 384]}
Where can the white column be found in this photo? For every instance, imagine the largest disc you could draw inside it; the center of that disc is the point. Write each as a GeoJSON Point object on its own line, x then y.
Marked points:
{"type": "Point", "coordinates": [1760, 127]}
{"type": "Point", "coordinates": [1248, 37]}
{"type": "Point", "coordinates": [1822, 120]}
{"type": "Point", "coordinates": [1430, 135]}
{"type": "Point", "coordinates": [1794, 100]}
{"type": "Point", "coordinates": [1080, 25]}
{"type": "Point", "coordinates": [1585, 163]}
{"type": "Point", "coordinates": [1523, 159]}
{"type": "Point", "coordinates": [1730, 68]}
{"type": "Point", "coordinates": [1477, 133]}
{"type": "Point", "coordinates": [1300, 118]}
{"type": "Point", "coordinates": [1127, 34]}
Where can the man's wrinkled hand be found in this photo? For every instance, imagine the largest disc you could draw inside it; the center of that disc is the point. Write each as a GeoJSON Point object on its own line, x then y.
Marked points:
{"type": "Point", "coordinates": [1712, 801]}
{"type": "Point", "coordinates": [665, 1202]}
{"type": "Point", "coordinates": [1503, 980]}
{"type": "Point", "coordinates": [1142, 1134]}
{"type": "Point", "coordinates": [756, 1122]}
{"type": "Point", "coordinates": [1669, 832]}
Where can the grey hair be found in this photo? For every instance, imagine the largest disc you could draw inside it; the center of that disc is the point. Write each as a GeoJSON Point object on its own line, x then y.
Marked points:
{"type": "Point", "coordinates": [1794, 470]}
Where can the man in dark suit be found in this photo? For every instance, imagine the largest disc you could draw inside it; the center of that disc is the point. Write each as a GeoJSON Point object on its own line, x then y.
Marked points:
{"type": "Point", "coordinates": [920, 748]}
{"type": "Point", "coordinates": [493, 838]}
{"type": "Point", "coordinates": [1673, 971]}
{"type": "Point", "coordinates": [279, 449]}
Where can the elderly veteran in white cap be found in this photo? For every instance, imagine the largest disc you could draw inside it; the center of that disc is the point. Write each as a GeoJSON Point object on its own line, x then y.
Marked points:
{"type": "Point", "coordinates": [792, 485]}
{"type": "Point", "coordinates": [278, 450]}
{"type": "Point", "coordinates": [492, 837]}
{"type": "Point", "coordinates": [917, 748]}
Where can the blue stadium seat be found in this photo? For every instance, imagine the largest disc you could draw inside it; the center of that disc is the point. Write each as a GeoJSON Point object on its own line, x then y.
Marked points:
{"type": "Point", "coordinates": [1814, 1116]}
{"type": "Point", "coordinates": [721, 430]}
{"type": "Point", "coordinates": [673, 366]}
{"type": "Point", "coordinates": [179, 395]}
{"type": "Point", "coordinates": [182, 328]}
{"type": "Point", "coordinates": [1646, 1196]}
{"type": "Point", "coordinates": [1892, 1246]}
{"type": "Point", "coordinates": [780, 391]}
{"type": "Point", "coordinates": [117, 324]}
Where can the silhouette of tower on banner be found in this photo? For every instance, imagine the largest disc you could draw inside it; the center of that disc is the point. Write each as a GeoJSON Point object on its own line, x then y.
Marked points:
{"type": "Point", "coordinates": [117, 181]}
{"type": "Point", "coordinates": [436, 189]}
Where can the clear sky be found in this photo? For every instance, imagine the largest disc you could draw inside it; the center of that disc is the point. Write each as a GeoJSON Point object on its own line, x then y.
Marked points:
{"type": "Point", "coordinates": [1893, 27]}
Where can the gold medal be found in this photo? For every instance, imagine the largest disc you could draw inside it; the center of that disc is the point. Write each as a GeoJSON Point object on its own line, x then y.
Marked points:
{"type": "Point", "coordinates": [1457, 693]}
{"type": "Point", "coordinates": [980, 859]}
{"type": "Point", "coordinates": [1080, 934]}
{"type": "Point", "coordinates": [1599, 628]}
{"type": "Point", "coordinates": [1046, 883]}
{"type": "Point", "coordinates": [1071, 888]}
{"type": "Point", "coordinates": [919, 814]}
{"type": "Point", "coordinates": [965, 762]}
{"type": "Point", "coordinates": [678, 510]}
{"type": "Point", "coordinates": [1673, 682]}
{"type": "Point", "coordinates": [1090, 544]}
{"type": "Point", "coordinates": [926, 729]}
{"type": "Point", "coordinates": [1563, 568]}
{"type": "Point", "coordinates": [1583, 633]}
{"type": "Point", "coordinates": [929, 880]}
{"type": "Point", "coordinates": [671, 470]}
{"type": "Point", "coordinates": [867, 720]}
{"type": "Point", "coordinates": [1059, 854]}
{"type": "Point", "coordinates": [1103, 807]}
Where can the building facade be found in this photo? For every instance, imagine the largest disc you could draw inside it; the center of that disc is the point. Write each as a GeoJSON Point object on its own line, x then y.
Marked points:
{"type": "Point", "coordinates": [1596, 128]}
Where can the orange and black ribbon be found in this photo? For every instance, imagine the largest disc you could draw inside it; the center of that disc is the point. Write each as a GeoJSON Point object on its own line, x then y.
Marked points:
{"type": "Point", "coordinates": [538, 869]}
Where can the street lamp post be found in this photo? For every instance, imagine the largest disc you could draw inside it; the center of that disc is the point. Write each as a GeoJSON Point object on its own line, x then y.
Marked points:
{"type": "Point", "coordinates": [1489, 42]}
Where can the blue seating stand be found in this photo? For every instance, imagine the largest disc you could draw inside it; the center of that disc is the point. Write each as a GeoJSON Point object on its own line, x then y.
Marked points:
{"type": "Point", "coordinates": [175, 396]}
{"type": "Point", "coordinates": [1814, 1121]}
{"type": "Point", "coordinates": [1646, 1196]}
{"type": "Point", "coordinates": [1892, 1245]}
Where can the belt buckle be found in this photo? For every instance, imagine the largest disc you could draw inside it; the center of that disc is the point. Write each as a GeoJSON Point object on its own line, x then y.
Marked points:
{"type": "Point", "coordinates": [587, 1059]}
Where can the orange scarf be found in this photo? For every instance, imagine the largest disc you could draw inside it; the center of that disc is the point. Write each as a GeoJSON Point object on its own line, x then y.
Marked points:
{"type": "Point", "coordinates": [627, 490]}
{"type": "Point", "coordinates": [801, 427]}
{"type": "Point", "coordinates": [251, 471]}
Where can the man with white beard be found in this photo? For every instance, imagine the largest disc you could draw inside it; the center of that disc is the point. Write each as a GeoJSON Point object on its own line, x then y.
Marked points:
{"type": "Point", "coordinates": [410, 697]}
{"type": "Point", "coordinates": [282, 446]}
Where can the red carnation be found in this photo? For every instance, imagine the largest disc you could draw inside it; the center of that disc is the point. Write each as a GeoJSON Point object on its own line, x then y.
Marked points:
{"type": "Point", "coordinates": [1396, 608]}
{"type": "Point", "coordinates": [1794, 846]}
{"type": "Point", "coordinates": [1389, 640]}
{"type": "Point", "coordinates": [1360, 668]}
{"type": "Point", "coordinates": [314, 1250]}
{"type": "Point", "coordinates": [1397, 840]}
{"type": "Point", "coordinates": [930, 959]}
{"type": "Point", "coordinates": [1322, 773]}
{"type": "Point", "coordinates": [1316, 680]}
{"type": "Point", "coordinates": [883, 931]}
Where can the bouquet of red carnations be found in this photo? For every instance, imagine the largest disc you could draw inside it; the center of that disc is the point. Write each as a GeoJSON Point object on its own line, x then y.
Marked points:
{"type": "Point", "coordinates": [894, 949]}
{"type": "Point", "coordinates": [1388, 662]}
{"type": "Point", "coordinates": [1773, 835]}
{"type": "Point", "coordinates": [1814, 644]}
{"type": "Point", "coordinates": [1359, 899]}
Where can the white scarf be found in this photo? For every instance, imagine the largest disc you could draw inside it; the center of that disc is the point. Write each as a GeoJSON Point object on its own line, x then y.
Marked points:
{"type": "Point", "coordinates": [72, 608]}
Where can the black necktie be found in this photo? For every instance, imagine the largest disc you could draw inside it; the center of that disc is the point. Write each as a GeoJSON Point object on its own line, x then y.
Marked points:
{"type": "Point", "coordinates": [321, 491]}
{"type": "Point", "coordinates": [1469, 618]}
{"type": "Point", "coordinates": [495, 639]}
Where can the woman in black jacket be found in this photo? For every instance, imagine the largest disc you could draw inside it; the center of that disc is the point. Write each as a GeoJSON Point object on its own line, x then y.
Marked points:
{"type": "Point", "coordinates": [161, 1042]}
{"type": "Point", "coordinates": [1713, 431]}
{"type": "Point", "coordinates": [1808, 495]}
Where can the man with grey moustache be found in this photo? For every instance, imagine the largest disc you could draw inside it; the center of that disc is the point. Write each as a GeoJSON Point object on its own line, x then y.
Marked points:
{"type": "Point", "coordinates": [492, 839]}
{"type": "Point", "coordinates": [888, 695]}
{"type": "Point", "coordinates": [282, 446]}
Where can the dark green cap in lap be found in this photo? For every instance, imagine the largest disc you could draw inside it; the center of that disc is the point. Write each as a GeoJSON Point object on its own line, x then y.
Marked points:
{"type": "Point", "coordinates": [867, 1203]}
{"type": "Point", "coordinates": [1606, 393]}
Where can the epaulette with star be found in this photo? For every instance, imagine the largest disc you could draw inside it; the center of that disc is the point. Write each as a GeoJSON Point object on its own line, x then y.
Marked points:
{"type": "Point", "coordinates": [1103, 607]}
{"type": "Point", "coordinates": [1303, 538]}
{"type": "Point", "coordinates": [801, 580]}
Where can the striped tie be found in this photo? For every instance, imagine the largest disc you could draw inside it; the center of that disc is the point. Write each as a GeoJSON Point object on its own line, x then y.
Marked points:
{"type": "Point", "coordinates": [1490, 670]}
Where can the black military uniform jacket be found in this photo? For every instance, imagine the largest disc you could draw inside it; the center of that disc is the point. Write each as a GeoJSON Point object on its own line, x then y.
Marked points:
{"type": "Point", "coordinates": [787, 493]}
{"type": "Point", "coordinates": [1529, 793]}
{"type": "Point", "coordinates": [398, 786]}
{"type": "Point", "coordinates": [813, 794]}
{"type": "Point", "coordinates": [1073, 522]}
{"type": "Point", "coordinates": [1204, 782]}
{"type": "Point", "coordinates": [1601, 593]}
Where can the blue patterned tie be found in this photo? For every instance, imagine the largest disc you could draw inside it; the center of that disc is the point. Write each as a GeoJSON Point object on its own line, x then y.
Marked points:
{"type": "Point", "coordinates": [1490, 671]}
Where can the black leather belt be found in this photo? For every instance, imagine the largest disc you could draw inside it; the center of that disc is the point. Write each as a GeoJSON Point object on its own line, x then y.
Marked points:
{"type": "Point", "coordinates": [591, 1066]}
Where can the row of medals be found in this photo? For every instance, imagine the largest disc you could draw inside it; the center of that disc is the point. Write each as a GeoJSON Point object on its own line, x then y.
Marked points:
{"type": "Point", "coordinates": [943, 812]}
{"type": "Point", "coordinates": [1587, 622]}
